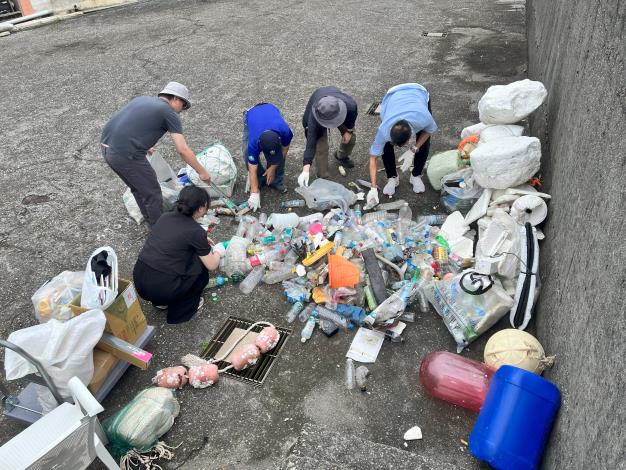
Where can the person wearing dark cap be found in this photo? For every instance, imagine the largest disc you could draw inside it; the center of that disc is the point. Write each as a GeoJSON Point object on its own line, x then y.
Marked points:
{"type": "Point", "coordinates": [405, 112]}
{"type": "Point", "coordinates": [327, 108]}
{"type": "Point", "coordinates": [264, 130]}
{"type": "Point", "coordinates": [173, 266]}
{"type": "Point", "coordinates": [130, 136]}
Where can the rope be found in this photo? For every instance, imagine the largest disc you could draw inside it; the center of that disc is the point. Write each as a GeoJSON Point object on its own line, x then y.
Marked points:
{"type": "Point", "coordinates": [134, 459]}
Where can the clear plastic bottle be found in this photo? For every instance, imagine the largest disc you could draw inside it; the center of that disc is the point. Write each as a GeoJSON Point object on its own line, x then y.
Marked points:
{"type": "Point", "coordinates": [217, 281]}
{"type": "Point", "coordinates": [272, 277]}
{"type": "Point", "coordinates": [292, 203]}
{"type": "Point", "coordinates": [404, 219]}
{"type": "Point", "coordinates": [375, 217]}
{"type": "Point", "coordinates": [266, 257]}
{"type": "Point", "coordinates": [392, 206]}
{"type": "Point", "coordinates": [294, 311]}
{"type": "Point", "coordinates": [252, 279]}
{"type": "Point", "coordinates": [334, 317]}
{"type": "Point", "coordinates": [291, 257]}
{"type": "Point", "coordinates": [235, 259]}
{"type": "Point", "coordinates": [308, 310]}
{"type": "Point", "coordinates": [307, 330]}
{"type": "Point", "coordinates": [349, 374]}
{"type": "Point", "coordinates": [432, 219]}
{"type": "Point", "coordinates": [358, 214]}
{"type": "Point", "coordinates": [337, 240]}
{"type": "Point", "coordinates": [425, 279]}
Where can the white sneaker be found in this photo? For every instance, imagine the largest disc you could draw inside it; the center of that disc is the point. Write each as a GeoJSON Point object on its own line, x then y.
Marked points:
{"type": "Point", "coordinates": [390, 187]}
{"type": "Point", "coordinates": [418, 185]}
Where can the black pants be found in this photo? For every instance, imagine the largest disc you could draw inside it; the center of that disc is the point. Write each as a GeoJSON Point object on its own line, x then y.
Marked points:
{"type": "Point", "coordinates": [139, 176]}
{"type": "Point", "coordinates": [419, 159]}
{"type": "Point", "coordinates": [181, 294]}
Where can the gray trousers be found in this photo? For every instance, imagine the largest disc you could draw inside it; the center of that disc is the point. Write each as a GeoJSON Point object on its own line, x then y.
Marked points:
{"type": "Point", "coordinates": [140, 177]}
{"type": "Point", "coordinates": [321, 153]}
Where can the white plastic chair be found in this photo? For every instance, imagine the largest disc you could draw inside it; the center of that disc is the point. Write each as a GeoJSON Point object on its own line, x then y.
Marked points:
{"type": "Point", "coordinates": [69, 436]}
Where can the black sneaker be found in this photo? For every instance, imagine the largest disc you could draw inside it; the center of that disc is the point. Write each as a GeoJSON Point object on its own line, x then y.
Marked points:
{"type": "Point", "coordinates": [345, 161]}
{"type": "Point", "coordinates": [279, 187]}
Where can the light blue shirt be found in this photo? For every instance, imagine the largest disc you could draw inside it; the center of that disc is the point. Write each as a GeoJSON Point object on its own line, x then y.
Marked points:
{"type": "Point", "coordinates": [408, 101]}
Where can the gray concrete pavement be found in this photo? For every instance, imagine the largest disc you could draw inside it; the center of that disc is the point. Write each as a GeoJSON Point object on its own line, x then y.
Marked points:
{"type": "Point", "coordinates": [59, 200]}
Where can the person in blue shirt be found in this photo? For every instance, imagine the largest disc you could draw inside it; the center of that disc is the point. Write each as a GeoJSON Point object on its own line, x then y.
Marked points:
{"type": "Point", "coordinates": [264, 130]}
{"type": "Point", "coordinates": [405, 112]}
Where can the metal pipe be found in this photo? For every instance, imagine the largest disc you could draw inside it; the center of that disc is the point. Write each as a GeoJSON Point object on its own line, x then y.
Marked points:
{"type": "Point", "coordinates": [7, 24]}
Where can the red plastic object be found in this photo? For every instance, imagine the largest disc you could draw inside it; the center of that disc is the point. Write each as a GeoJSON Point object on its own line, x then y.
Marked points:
{"type": "Point", "coordinates": [455, 379]}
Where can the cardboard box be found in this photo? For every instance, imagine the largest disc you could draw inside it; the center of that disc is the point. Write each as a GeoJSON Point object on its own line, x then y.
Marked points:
{"type": "Point", "coordinates": [103, 364]}
{"type": "Point", "coordinates": [125, 319]}
{"type": "Point", "coordinates": [125, 351]}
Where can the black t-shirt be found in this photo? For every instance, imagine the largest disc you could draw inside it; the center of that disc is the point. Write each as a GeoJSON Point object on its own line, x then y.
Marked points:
{"type": "Point", "coordinates": [139, 125]}
{"type": "Point", "coordinates": [174, 244]}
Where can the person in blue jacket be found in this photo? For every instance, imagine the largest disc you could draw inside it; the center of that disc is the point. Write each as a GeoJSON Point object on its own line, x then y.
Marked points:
{"type": "Point", "coordinates": [264, 130]}
{"type": "Point", "coordinates": [405, 113]}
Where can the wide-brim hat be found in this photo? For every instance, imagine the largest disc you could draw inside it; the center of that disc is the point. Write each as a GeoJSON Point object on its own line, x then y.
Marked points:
{"type": "Point", "coordinates": [179, 91]}
{"type": "Point", "coordinates": [330, 111]}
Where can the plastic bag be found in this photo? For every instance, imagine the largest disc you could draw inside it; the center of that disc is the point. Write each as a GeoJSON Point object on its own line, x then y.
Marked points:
{"type": "Point", "coordinates": [508, 104]}
{"type": "Point", "coordinates": [500, 130]}
{"type": "Point", "coordinates": [506, 162]}
{"type": "Point", "coordinates": [100, 291]}
{"type": "Point", "coordinates": [440, 165]}
{"type": "Point", "coordinates": [323, 194]}
{"type": "Point", "coordinates": [64, 349]}
{"type": "Point", "coordinates": [468, 316]}
{"type": "Point", "coordinates": [217, 160]}
{"type": "Point", "coordinates": [142, 421]}
{"type": "Point", "coordinates": [169, 194]}
{"type": "Point", "coordinates": [459, 192]}
{"type": "Point", "coordinates": [235, 257]}
{"type": "Point", "coordinates": [60, 290]}
{"type": "Point", "coordinates": [163, 170]}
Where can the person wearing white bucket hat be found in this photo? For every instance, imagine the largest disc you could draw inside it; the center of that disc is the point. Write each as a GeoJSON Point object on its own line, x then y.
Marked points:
{"type": "Point", "coordinates": [130, 136]}
{"type": "Point", "coordinates": [328, 107]}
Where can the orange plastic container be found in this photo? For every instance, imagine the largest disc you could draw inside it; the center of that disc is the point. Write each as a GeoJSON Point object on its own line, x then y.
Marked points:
{"type": "Point", "coordinates": [341, 272]}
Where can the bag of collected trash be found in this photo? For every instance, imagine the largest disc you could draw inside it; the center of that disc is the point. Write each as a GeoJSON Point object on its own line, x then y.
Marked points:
{"type": "Point", "coordinates": [163, 170]}
{"type": "Point", "coordinates": [459, 191]}
{"type": "Point", "coordinates": [516, 348]}
{"type": "Point", "coordinates": [469, 303]}
{"type": "Point", "coordinates": [508, 104]}
{"type": "Point", "coordinates": [64, 349]}
{"type": "Point", "coordinates": [169, 194]}
{"type": "Point", "coordinates": [235, 257]}
{"type": "Point", "coordinates": [217, 160]}
{"type": "Point", "coordinates": [323, 194]}
{"type": "Point", "coordinates": [506, 162]}
{"type": "Point", "coordinates": [57, 292]}
{"type": "Point", "coordinates": [440, 165]}
{"type": "Point", "coordinates": [141, 422]}
{"type": "Point", "coordinates": [100, 280]}
{"type": "Point", "coordinates": [500, 130]}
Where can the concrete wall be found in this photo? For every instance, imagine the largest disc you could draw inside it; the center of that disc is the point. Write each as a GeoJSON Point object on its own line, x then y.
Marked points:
{"type": "Point", "coordinates": [577, 48]}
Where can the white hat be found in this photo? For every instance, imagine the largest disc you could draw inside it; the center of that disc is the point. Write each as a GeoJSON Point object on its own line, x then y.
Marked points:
{"type": "Point", "coordinates": [178, 90]}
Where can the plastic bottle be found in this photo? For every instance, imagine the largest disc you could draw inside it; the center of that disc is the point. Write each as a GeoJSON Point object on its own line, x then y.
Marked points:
{"type": "Point", "coordinates": [404, 219]}
{"type": "Point", "coordinates": [440, 255]}
{"type": "Point", "coordinates": [262, 219]}
{"type": "Point", "coordinates": [334, 317]}
{"type": "Point", "coordinates": [307, 331]}
{"type": "Point", "coordinates": [432, 219]}
{"type": "Point", "coordinates": [308, 310]}
{"type": "Point", "coordinates": [391, 206]}
{"type": "Point", "coordinates": [455, 379]}
{"type": "Point", "coordinates": [252, 279]}
{"type": "Point", "coordinates": [349, 374]}
{"type": "Point", "coordinates": [358, 214]}
{"type": "Point", "coordinates": [425, 279]}
{"type": "Point", "coordinates": [294, 311]}
{"type": "Point", "coordinates": [337, 240]}
{"type": "Point", "coordinates": [272, 277]}
{"type": "Point", "coordinates": [291, 257]}
{"type": "Point", "coordinates": [376, 216]}
{"type": "Point", "coordinates": [292, 203]}
{"type": "Point", "coordinates": [266, 257]}
{"type": "Point", "coordinates": [217, 281]}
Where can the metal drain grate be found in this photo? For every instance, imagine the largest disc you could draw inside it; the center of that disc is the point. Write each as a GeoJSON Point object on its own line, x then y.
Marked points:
{"type": "Point", "coordinates": [374, 109]}
{"type": "Point", "coordinates": [430, 34]}
{"type": "Point", "coordinates": [255, 375]}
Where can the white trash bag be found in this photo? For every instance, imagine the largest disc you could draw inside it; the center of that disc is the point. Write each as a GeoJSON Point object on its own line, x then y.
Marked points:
{"type": "Point", "coordinates": [64, 349]}
{"type": "Point", "coordinates": [217, 160]}
{"type": "Point", "coordinates": [323, 194]}
{"type": "Point", "coordinates": [100, 291]}
{"type": "Point", "coordinates": [506, 162]}
{"type": "Point", "coordinates": [508, 104]}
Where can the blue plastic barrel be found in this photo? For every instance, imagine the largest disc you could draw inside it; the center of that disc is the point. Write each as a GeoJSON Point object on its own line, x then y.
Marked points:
{"type": "Point", "coordinates": [515, 420]}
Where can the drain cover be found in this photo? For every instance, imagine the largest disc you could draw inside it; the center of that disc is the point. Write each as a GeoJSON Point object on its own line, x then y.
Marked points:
{"type": "Point", "coordinates": [255, 375]}
{"type": "Point", "coordinates": [430, 34]}
{"type": "Point", "coordinates": [374, 109]}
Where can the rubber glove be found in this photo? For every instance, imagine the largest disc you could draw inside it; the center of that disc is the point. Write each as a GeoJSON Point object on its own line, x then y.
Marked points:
{"type": "Point", "coordinates": [407, 159]}
{"type": "Point", "coordinates": [372, 197]}
{"type": "Point", "coordinates": [219, 249]}
{"type": "Point", "coordinates": [254, 201]}
{"type": "Point", "coordinates": [303, 179]}
{"type": "Point", "coordinates": [390, 187]}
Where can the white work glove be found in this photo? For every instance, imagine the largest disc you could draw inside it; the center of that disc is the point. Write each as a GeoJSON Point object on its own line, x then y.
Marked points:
{"type": "Point", "coordinates": [390, 187]}
{"type": "Point", "coordinates": [219, 249]}
{"type": "Point", "coordinates": [254, 201]}
{"type": "Point", "coordinates": [407, 159]}
{"type": "Point", "coordinates": [303, 179]}
{"type": "Point", "coordinates": [247, 190]}
{"type": "Point", "coordinates": [372, 197]}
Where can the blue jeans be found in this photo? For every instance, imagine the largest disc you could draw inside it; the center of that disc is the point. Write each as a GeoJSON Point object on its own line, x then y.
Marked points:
{"type": "Point", "coordinates": [260, 169]}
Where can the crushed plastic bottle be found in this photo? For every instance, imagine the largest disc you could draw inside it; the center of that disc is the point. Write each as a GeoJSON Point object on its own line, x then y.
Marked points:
{"type": "Point", "coordinates": [292, 203]}
{"type": "Point", "coordinates": [294, 311]}
{"type": "Point", "coordinates": [432, 219]}
{"type": "Point", "coordinates": [349, 374]}
{"type": "Point", "coordinates": [404, 219]}
{"type": "Point", "coordinates": [283, 274]}
{"type": "Point", "coordinates": [252, 280]}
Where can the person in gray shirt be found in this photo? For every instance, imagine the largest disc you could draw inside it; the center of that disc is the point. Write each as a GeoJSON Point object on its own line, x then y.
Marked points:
{"type": "Point", "coordinates": [130, 136]}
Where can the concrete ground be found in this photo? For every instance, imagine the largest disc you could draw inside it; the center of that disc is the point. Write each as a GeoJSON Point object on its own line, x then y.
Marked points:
{"type": "Point", "coordinates": [60, 201]}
